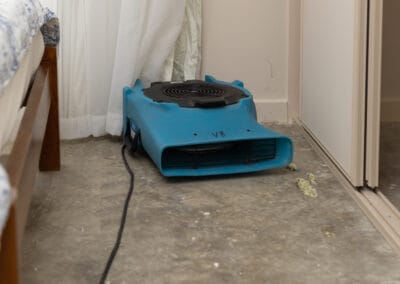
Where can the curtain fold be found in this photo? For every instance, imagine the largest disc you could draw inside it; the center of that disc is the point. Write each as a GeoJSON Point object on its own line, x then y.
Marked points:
{"type": "Point", "coordinates": [107, 45]}
{"type": "Point", "coordinates": [184, 62]}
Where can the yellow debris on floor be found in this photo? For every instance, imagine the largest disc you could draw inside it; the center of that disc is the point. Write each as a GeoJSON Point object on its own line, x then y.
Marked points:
{"type": "Point", "coordinates": [329, 234]}
{"type": "Point", "coordinates": [292, 167]}
{"type": "Point", "coordinates": [306, 187]}
{"type": "Point", "coordinates": [311, 178]}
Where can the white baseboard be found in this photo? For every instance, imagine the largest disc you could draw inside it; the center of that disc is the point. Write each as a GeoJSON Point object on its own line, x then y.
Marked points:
{"type": "Point", "coordinates": [390, 110]}
{"type": "Point", "coordinates": [272, 110]}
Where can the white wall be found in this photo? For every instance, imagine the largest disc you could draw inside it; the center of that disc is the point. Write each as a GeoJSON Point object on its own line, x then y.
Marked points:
{"type": "Point", "coordinates": [248, 40]}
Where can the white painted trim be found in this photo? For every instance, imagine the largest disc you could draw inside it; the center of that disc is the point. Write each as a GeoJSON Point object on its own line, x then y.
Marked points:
{"type": "Point", "coordinates": [374, 94]}
{"type": "Point", "coordinates": [272, 110]}
{"type": "Point", "coordinates": [359, 91]}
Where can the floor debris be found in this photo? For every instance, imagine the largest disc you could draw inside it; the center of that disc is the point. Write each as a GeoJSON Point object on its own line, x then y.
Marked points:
{"type": "Point", "coordinates": [216, 264]}
{"type": "Point", "coordinates": [292, 167]}
{"type": "Point", "coordinates": [329, 234]}
{"type": "Point", "coordinates": [311, 178]}
{"type": "Point", "coordinates": [306, 187]}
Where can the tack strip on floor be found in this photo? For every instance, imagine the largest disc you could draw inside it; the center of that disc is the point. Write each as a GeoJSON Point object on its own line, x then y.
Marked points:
{"type": "Point", "coordinates": [379, 210]}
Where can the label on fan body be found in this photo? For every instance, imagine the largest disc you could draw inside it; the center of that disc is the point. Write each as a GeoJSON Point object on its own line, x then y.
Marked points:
{"type": "Point", "coordinates": [218, 134]}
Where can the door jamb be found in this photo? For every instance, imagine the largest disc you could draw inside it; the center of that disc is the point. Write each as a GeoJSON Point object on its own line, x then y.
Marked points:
{"type": "Point", "coordinates": [373, 108]}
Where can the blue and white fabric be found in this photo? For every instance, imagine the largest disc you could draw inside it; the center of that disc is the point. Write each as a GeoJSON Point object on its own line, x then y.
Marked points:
{"type": "Point", "coordinates": [5, 198]}
{"type": "Point", "coordinates": [20, 20]}
{"type": "Point", "coordinates": [51, 32]}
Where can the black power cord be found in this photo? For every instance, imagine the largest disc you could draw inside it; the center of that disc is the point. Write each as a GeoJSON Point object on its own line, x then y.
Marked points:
{"type": "Point", "coordinates": [133, 147]}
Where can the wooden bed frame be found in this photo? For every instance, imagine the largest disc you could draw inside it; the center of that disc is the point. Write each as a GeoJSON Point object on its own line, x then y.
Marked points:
{"type": "Point", "coordinates": [37, 147]}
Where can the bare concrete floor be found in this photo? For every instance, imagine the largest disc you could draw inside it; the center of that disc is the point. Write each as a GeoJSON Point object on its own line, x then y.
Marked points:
{"type": "Point", "coordinates": [256, 228]}
{"type": "Point", "coordinates": [389, 174]}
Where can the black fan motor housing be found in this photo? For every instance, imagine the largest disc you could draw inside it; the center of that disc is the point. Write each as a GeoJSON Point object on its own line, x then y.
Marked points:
{"type": "Point", "coordinates": [194, 94]}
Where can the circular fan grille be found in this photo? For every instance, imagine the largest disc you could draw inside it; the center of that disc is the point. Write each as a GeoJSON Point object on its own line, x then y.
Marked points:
{"type": "Point", "coordinates": [192, 90]}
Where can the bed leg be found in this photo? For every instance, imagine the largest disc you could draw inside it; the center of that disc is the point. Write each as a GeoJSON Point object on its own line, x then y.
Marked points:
{"type": "Point", "coordinates": [50, 155]}
{"type": "Point", "coordinates": [9, 268]}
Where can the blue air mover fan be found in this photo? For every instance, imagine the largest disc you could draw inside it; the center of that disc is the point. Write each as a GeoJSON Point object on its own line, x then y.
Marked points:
{"type": "Point", "coordinates": [199, 128]}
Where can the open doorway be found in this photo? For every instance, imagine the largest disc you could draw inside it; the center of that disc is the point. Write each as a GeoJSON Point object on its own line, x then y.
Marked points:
{"type": "Point", "coordinates": [389, 174]}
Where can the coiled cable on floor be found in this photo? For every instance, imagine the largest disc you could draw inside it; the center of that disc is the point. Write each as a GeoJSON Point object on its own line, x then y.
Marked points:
{"type": "Point", "coordinates": [114, 251]}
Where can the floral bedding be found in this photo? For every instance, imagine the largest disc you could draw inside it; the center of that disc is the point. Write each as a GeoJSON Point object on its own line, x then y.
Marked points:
{"type": "Point", "coordinates": [5, 197]}
{"type": "Point", "coordinates": [20, 20]}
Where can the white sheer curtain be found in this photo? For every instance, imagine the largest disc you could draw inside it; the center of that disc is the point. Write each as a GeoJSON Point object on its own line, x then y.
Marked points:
{"type": "Point", "coordinates": [106, 45]}
{"type": "Point", "coordinates": [86, 59]}
{"type": "Point", "coordinates": [147, 34]}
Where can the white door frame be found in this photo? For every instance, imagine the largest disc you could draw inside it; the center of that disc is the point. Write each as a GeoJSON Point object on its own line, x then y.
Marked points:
{"type": "Point", "coordinates": [359, 101]}
{"type": "Point", "coordinates": [374, 93]}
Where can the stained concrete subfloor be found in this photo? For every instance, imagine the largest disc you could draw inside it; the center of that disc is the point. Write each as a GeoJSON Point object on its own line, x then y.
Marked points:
{"type": "Point", "coordinates": [389, 174]}
{"type": "Point", "coordinates": [252, 228]}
